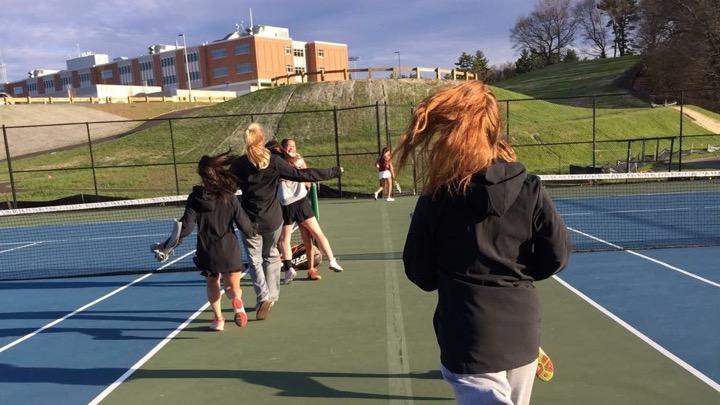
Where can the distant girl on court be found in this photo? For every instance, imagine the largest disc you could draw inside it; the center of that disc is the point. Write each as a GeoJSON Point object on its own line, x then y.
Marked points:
{"type": "Point", "coordinates": [258, 172]}
{"type": "Point", "coordinates": [297, 209]}
{"type": "Point", "coordinates": [483, 231]}
{"type": "Point", "coordinates": [386, 174]}
{"type": "Point", "coordinates": [215, 209]}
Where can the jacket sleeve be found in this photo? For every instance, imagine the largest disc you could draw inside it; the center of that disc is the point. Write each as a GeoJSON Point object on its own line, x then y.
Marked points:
{"type": "Point", "coordinates": [242, 219]}
{"type": "Point", "coordinates": [288, 172]}
{"type": "Point", "coordinates": [188, 220]}
{"type": "Point", "coordinates": [418, 255]}
{"type": "Point", "coordinates": [551, 244]}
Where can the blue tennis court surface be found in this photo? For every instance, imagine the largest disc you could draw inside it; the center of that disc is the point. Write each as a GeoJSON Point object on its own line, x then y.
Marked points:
{"type": "Point", "coordinates": [68, 340]}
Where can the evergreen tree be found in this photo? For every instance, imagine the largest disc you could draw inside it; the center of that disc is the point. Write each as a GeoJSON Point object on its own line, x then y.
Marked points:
{"type": "Point", "coordinates": [465, 61]}
{"type": "Point", "coordinates": [570, 56]}
{"type": "Point", "coordinates": [480, 65]}
{"type": "Point", "coordinates": [528, 62]}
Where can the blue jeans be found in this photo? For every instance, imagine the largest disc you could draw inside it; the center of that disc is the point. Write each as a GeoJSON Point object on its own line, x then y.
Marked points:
{"type": "Point", "coordinates": [265, 265]}
{"type": "Point", "coordinates": [510, 387]}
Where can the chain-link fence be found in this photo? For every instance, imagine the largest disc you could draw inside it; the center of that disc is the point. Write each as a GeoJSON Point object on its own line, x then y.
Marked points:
{"type": "Point", "coordinates": [129, 159]}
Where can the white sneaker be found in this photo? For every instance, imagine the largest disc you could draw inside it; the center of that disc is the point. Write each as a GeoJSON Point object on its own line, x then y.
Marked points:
{"type": "Point", "coordinates": [334, 266]}
{"type": "Point", "coordinates": [217, 325]}
{"type": "Point", "coordinates": [389, 199]}
{"type": "Point", "coordinates": [289, 276]}
{"type": "Point", "coordinates": [375, 195]}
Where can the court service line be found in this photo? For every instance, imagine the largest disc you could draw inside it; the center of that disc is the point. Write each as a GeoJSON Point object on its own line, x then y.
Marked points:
{"type": "Point", "coordinates": [397, 353]}
{"type": "Point", "coordinates": [110, 388]}
{"type": "Point", "coordinates": [692, 370]}
{"type": "Point", "coordinates": [20, 247]}
{"type": "Point", "coordinates": [632, 252]}
{"type": "Point", "coordinates": [86, 306]}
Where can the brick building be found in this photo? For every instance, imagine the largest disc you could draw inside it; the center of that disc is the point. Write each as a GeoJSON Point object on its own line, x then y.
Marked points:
{"type": "Point", "coordinates": [241, 62]}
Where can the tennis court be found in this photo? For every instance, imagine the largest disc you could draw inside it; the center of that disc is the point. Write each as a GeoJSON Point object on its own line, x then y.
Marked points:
{"type": "Point", "coordinates": [622, 326]}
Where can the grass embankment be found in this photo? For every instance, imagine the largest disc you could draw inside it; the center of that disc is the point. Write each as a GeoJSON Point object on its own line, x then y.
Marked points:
{"type": "Point", "coordinates": [531, 123]}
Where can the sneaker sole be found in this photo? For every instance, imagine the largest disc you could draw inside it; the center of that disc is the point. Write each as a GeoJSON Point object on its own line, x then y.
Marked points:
{"type": "Point", "coordinates": [336, 269]}
{"type": "Point", "coordinates": [241, 319]}
{"type": "Point", "coordinates": [263, 310]}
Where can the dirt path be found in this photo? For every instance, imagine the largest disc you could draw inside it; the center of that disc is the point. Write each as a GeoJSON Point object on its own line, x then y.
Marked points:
{"type": "Point", "coordinates": [701, 119]}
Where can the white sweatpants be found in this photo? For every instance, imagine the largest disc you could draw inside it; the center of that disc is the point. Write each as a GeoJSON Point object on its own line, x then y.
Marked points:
{"type": "Point", "coordinates": [511, 387]}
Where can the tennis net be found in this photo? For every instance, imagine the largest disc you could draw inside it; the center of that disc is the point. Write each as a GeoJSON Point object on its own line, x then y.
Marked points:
{"type": "Point", "coordinates": [638, 210]}
{"type": "Point", "coordinates": [91, 239]}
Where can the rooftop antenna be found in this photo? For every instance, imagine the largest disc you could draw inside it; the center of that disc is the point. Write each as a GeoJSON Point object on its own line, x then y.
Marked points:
{"type": "Point", "coordinates": [251, 20]}
{"type": "Point", "coordinates": [3, 70]}
{"type": "Point", "coordinates": [242, 26]}
{"type": "Point", "coordinates": [77, 46]}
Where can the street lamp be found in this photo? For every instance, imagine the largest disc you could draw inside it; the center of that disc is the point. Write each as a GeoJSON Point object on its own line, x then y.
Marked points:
{"type": "Point", "coordinates": [187, 70]}
{"type": "Point", "coordinates": [398, 54]}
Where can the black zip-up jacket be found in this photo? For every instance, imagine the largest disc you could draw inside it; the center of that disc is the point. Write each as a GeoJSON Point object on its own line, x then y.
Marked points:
{"type": "Point", "coordinates": [259, 187]}
{"type": "Point", "coordinates": [218, 250]}
{"type": "Point", "coordinates": [482, 251]}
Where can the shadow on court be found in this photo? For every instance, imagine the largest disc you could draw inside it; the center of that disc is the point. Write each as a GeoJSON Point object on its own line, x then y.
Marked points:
{"type": "Point", "coordinates": [295, 383]}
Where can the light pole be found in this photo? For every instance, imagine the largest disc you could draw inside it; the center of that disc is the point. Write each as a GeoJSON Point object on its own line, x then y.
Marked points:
{"type": "Point", "coordinates": [399, 74]}
{"type": "Point", "coordinates": [187, 70]}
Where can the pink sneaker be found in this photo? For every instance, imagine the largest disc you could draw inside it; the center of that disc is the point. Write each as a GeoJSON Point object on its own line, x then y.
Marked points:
{"type": "Point", "coordinates": [241, 318]}
{"type": "Point", "coordinates": [218, 325]}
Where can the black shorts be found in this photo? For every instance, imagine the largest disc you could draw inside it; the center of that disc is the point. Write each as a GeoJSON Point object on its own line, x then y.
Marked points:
{"type": "Point", "coordinates": [298, 211]}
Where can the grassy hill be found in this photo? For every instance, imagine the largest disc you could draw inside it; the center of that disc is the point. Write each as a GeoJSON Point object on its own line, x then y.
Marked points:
{"type": "Point", "coordinates": [532, 123]}
{"type": "Point", "coordinates": [602, 76]}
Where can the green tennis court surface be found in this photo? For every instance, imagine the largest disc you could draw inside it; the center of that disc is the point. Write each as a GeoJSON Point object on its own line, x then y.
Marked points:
{"type": "Point", "coordinates": [365, 336]}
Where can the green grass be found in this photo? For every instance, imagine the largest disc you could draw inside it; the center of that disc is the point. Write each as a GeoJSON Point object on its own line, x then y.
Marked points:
{"type": "Point", "coordinates": [531, 123]}
{"type": "Point", "coordinates": [599, 76]}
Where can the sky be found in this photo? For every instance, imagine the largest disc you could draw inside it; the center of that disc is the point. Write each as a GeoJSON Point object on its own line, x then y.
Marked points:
{"type": "Point", "coordinates": [42, 34]}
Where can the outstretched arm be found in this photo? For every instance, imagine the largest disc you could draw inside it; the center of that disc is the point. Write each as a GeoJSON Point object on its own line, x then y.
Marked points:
{"type": "Point", "coordinates": [288, 172]}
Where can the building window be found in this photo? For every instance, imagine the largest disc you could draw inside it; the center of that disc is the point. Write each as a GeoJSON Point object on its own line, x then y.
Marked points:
{"type": "Point", "coordinates": [193, 57]}
{"type": "Point", "coordinates": [66, 81]}
{"type": "Point", "coordinates": [84, 79]}
{"type": "Point", "coordinates": [288, 68]}
{"type": "Point", "coordinates": [167, 62]}
{"type": "Point", "coordinates": [146, 66]}
{"type": "Point", "coordinates": [106, 74]}
{"type": "Point", "coordinates": [321, 53]}
{"type": "Point", "coordinates": [194, 76]}
{"type": "Point", "coordinates": [49, 85]}
{"type": "Point", "coordinates": [288, 50]}
{"type": "Point", "coordinates": [243, 68]}
{"type": "Point", "coordinates": [298, 52]}
{"type": "Point", "coordinates": [149, 82]}
{"type": "Point", "coordinates": [18, 90]}
{"type": "Point", "coordinates": [299, 70]}
{"type": "Point", "coordinates": [220, 72]}
{"type": "Point", "coordinates": [125, 69]}
{"type": "Point", "coordinates": [218, 53]}
{"type": "Point", "coordinates": [242, 49]}
{"type": "Point", "coordinates": [169, 80]}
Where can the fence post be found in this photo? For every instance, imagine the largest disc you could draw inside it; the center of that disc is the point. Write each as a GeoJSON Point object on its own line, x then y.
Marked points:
{"type": "Point", "coordinates": [252, 118]}
{"type": "Point", "coordinates": [627, 159]}
{"type": "Point", "coordinates": [507, 120]}
{"type": "Point", "coordinates": [337, 148]}
{"type": "Point", "coordinates": [377, 125]}
{"type": "Point", "coordinates": [92, 158]}
{"type": "Point", "coordinates": [682, 102]}
{"type": "Point", "coordinates": [172, 144]}
{"type": "Point", "coordinates": [387, 129]}
{"type": "Point", "coordinates": [412, 111]}
{"type": "Point", "coordinates": [594, 146]}
{"type": "Point", "coordinates": [9, 165]}
{"type": "Point", "coordinates": [672, 149]}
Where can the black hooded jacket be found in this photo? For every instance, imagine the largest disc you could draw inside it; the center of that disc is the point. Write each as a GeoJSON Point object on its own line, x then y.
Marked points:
{"type": "Point", "coordinates": [482, 251]}
{"type": "Point", "coordinates": [259, 187]}
{"type": "Point", "coordinates": [218, 250]}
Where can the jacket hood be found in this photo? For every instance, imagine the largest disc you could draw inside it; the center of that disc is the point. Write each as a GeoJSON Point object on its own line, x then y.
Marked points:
{"type": "Point", "coordinates": [201, 200]}
{"type": "Point", "coordinates": [494, 190]}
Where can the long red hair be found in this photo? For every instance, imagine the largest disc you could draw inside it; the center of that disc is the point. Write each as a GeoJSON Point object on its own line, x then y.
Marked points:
{"type": "Point", "coordinates": [456, 132]}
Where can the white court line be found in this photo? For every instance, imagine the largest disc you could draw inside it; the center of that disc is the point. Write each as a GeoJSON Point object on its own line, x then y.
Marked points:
{"type": "Point", "coordinates": [398, 356]}
{"type": "Point", "coordinates": [20, 247]}
{"type": "Point", "coordinates": [86, 306]}
{"type": "Point", "coordinates": [147, 357]}
{"type": "Point", "coordinates": [89, 239]}
{"type": "Point", "coordinates": [692, 370]}
{"type": "Point", "coordinates": [669, 266]}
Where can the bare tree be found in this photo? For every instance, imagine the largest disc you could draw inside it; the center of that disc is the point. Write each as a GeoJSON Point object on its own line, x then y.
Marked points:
{"type": "Point", "coordinates": [593, 26]}
{"type": "Point", "coordinates": [546, 31]}
{"type": "Point", "coordinates": [623, 14]}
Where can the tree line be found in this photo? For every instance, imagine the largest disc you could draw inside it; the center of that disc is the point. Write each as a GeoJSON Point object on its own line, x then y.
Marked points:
{"type": "Point", "coordinates": [679, 40]}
